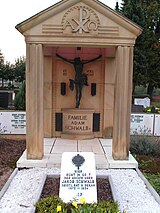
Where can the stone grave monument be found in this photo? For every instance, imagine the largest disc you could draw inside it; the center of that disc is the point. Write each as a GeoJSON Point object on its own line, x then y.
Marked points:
{"type": "Point", "coordinates": [79, 63]}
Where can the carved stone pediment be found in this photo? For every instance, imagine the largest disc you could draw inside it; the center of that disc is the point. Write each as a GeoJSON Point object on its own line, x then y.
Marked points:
{"type": "Point", "coordinates": [79, 18]}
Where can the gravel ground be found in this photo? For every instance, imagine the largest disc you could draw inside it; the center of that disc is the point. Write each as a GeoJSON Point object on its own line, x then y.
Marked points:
{"type": "Point", "coordinates": [131, 191]}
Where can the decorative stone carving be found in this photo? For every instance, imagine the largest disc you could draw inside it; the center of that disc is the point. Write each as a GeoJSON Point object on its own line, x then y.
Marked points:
{"type": "Point", "coordinates": [80, 19]}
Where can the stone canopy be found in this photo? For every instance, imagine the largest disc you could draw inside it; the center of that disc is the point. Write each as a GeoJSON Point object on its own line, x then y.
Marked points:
{"type": "Point", "coordinates": [84, 28]}
{"type": "Point", "coordinates": [98, 25]}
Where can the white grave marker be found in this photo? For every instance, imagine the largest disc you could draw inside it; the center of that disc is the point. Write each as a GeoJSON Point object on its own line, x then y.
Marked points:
{"type": "Point", "coordinates": [142, 101]}
{"type": "Point", "coordinates": [12, 122]}
{"type": "Point", "coordinates": [78, 177]}
{"type": "Point", "coordinates": [157, 125]}
{"type": "Point", "coordinates": [142, 124]}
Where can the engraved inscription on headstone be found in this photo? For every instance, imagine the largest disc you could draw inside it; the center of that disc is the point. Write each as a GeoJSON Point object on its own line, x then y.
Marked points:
{"type": "Point", "coordinates": [156, 125]}
{"type": "Point", "coordinates": [77, 121]}
{"type": "Point", "coordinates": [145, 102]}
{"type": "Point", "coordinates": [78, 177]}
{"type": "Point", "coordinates": [18, 120]}
{"type": "Point", "coordinates": [13, 123]}
{"type": "Point", "coordinates": [142, 124]}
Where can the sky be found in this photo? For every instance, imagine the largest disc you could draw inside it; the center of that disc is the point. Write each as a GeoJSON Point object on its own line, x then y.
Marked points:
{"type": "Point", "coordinates": [12, 12]}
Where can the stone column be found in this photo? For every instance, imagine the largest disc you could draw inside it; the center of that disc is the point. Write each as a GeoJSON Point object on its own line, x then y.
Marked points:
{"type": "Point", "coordinates": [34, 101]}
{"type": "Point", "coordinates": [122, 103]}
{"type": "Point", "coordinates": [48, 116]}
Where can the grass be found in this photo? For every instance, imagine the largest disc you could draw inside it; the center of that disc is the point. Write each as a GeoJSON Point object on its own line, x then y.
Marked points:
{"type": "Point", "coordinates": [155, 103]}
{"type": "Point", "coordinates": [145, 145]}
{"type": "Point", "coordinates": [146, 150]}
{"type": "Point", "coordinates": [154, 180]}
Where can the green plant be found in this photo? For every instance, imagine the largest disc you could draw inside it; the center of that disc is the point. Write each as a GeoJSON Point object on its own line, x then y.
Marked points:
{"type": "Point", "coordinates": [144, 145]}
{"type": "Point", "coordinates": [154, 180]}
{"type": "Point", "coordinates": [140, 91]}
{"type": "Point", "coordinates": [152, 109]}
{"type": "Point", "coordinates": [50, 204]}
{"type": "Point", "coordinates": [144, 164]}
{"type": "Point", "coordinates": [155, 103]}
{"type": "Point", "coordinates": [54, 204]}
{"type": "Point", "coordinates": [20, 98]}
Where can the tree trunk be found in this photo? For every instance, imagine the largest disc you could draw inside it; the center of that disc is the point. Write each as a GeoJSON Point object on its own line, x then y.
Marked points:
{"type": "Point", "coordinates": [150, 89]}
{"type": "Point", "coordinates": [2, 83]}
{"type": "Point", "coordinates": [133, 87]}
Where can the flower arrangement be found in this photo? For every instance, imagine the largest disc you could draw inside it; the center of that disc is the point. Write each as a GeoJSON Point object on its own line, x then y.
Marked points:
{"type": "Point", "coordinates": [152, 109]}
{"type": "Point", "coordinates": [54, 204]}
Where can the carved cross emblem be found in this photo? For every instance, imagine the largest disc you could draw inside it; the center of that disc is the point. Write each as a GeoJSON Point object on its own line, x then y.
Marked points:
{"type": "Point", "coordinates": [80, 19]}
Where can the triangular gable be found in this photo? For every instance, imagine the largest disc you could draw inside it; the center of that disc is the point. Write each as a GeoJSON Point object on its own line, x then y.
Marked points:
{"type": "Point", "coordinates": [79, 17]}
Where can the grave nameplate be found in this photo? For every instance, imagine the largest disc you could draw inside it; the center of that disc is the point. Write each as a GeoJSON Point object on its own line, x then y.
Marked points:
{"type": "Point", "coordinates": [145, 102]}
{"type": "Point", "coordinates": [78, 177]}
{"type": "Point", "coordinates": [12, 123]}
{"type": "Point", "coordinates": [77, 123]}
{"type": "Point", "coordinates": [142, 124]}
{"type": "Point", "coordinates": [156, 125]}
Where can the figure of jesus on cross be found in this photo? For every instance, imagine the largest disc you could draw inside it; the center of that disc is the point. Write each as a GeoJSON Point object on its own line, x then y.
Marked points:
{"type": "Point", "coordinates": [81, 78]}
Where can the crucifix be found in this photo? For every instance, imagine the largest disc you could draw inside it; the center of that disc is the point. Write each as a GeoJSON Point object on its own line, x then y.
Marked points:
{"type": "Point", "coordinates": [81, 78]}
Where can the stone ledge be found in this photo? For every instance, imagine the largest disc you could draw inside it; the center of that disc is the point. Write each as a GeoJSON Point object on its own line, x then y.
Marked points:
{"type": "Point", "coordinates": [7, 184]}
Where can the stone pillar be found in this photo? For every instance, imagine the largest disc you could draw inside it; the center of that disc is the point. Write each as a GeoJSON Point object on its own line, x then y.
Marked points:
{"type": "Point", "coordinates": [122, 103]}
{"type": "Point", "coordinates": [48, 116]}
{"type": "Point", "coordinates": [110, 72]}
{"type": "Point", "coordinates": [34, 101]}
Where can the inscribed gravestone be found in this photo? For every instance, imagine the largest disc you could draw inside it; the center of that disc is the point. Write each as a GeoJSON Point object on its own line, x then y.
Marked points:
{"type": "Point", "coordinates": [78, 177]}
{"type": "Point", "coordinates": [142, 124]}
{"type": "Point", "coordinates": [157, 126]}
{"type": "Point", "coordinates": [142, 101]}
{"type": "Point", "coordinates": [12, 122]}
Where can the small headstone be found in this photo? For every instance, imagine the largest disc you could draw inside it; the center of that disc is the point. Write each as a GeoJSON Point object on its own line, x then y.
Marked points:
{"type": "Point", "coordinates": [4, 99]}
{"type": "Point", "coordinates": [145, 102]}
{"type": "Point", "coordinates": [142, 124]}
{"type": "Point", "coordinates": [78, 177]}
{"type": "Point", "coordinates": [156, 125]}
{"type": "Point", "coordinates": [13, 123]}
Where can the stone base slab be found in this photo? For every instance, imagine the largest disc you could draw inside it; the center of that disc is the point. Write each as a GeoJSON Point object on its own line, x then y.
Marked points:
{"type": "Point", "coordinates": [54, 147]}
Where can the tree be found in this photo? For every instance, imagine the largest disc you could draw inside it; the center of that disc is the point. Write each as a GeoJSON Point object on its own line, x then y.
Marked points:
{"type": "Point", "coordinates": [19, 69]}
{"type": "Point", "coordinates": [133, 10]}
{"type": "Point", "coordinates": [152, 14]}
{"type": "Point", "coordinates": [8, 72]}
{"type": "Point", "coordinates": [20, 103]}
{"type": "Point", "coordinates": [2, 73]}
{"type": "Point", "coordinates": [12, 72]}
{"type": "Point", "coordinates": [145, 13]}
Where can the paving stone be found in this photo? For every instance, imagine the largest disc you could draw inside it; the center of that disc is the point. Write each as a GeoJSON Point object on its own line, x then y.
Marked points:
{"type": "Point", "coordinates": [67, 148]}
{"type": "Point", "coordinates": [48, 149]}
{"type": "Point", "coordinates": [54, 161]}
{"type": "Point", "coordinates": [106, 142]}
{"type": "Point", "coordinates": [101, 162]}
{"type": "Point", "coordinates": [49, 141]}
{"type": "Point", "coordinates": [64, 142]}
